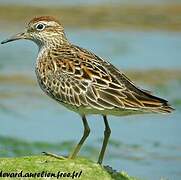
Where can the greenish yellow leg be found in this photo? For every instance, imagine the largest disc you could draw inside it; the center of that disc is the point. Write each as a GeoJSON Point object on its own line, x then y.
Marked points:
{"type": "Point", "coordinates": [107, 133]}
{"type": "Point", "coordinates": [85, 135]}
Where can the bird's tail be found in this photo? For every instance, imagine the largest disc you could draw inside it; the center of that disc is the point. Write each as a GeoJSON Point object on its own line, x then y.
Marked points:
{"type": "Point", "coordinates": [156, 104]}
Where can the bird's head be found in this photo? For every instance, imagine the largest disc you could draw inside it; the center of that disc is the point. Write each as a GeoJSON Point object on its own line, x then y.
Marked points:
{"type": "Point", "coordinates": [44, 30]}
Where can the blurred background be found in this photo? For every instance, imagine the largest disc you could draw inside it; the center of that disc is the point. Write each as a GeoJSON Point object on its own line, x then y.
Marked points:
{"type": "Point", "coordinates": [141, 37]}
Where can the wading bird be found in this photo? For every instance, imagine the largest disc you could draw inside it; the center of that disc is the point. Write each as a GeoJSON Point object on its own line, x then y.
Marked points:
{"type": "Point", "coordinates": [82, 81]}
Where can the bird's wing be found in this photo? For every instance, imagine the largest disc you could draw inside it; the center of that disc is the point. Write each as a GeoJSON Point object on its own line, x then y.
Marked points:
{"type": "Point", "coordinates": [87, 80]}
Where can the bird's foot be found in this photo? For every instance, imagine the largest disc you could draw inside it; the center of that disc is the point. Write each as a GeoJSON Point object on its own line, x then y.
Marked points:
{"type": "Point", "coordinates": [110, 170]}
{"type": "Point", "coordinates": [54, 155]}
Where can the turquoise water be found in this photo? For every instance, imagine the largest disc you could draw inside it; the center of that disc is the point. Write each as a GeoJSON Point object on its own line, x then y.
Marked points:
{"type": "Point", "coordinates": [128, 50]}
{"type": "Point", "coordinates": [149, 146]}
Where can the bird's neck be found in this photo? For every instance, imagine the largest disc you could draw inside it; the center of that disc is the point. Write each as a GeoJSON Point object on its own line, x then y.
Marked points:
{"type": "Point", "coordinates": [52, 44]}
{"type": "Point", "coordinates": [46, 49]}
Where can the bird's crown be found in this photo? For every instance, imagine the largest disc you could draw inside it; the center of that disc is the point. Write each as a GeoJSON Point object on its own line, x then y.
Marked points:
{"type": "Point", "coordinates": [44, 23]}
{"type": "Point", "coordinates": [43, 18]}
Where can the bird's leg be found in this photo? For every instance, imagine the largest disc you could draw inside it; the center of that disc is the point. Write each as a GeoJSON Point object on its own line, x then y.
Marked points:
{"type": "Point", "coordinates": [107, 133]}
{"type": "Point", "coordinates": [85, 135]}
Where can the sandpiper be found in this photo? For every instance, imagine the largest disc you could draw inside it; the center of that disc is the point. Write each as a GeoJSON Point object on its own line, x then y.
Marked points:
{"type": "Point", "coordinates": [82, 81]}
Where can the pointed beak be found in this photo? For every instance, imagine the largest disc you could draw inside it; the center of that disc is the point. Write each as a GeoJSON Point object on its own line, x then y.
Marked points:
{"type": "Point", "coordinates": [14, 38]}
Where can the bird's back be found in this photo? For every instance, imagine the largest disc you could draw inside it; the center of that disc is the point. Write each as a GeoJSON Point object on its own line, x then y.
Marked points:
{"type": "Point", "coordinates": [85, 83]}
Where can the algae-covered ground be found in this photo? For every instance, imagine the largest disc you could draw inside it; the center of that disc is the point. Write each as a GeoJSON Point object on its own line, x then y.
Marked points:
{"type": "Point", "coordinates": [42, 167]}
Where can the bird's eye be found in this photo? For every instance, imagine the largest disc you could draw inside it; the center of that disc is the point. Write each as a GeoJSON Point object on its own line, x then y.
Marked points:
{"type": "Point", "coordinates": [40, 27]}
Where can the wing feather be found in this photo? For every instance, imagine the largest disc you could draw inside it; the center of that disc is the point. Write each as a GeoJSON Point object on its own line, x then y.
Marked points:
{"type": "Point", "coordinates": [87, 80]}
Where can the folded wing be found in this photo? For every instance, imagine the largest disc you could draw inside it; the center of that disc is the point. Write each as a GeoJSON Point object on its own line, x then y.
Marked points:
{"type": "Point", "coordinates": [86, 80]}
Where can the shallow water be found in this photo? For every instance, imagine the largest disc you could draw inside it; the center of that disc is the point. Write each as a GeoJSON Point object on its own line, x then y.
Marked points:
{"type": "Point", "coordinates": [130, 50]}
{"type": "Point", "coordinates": [145, 146]}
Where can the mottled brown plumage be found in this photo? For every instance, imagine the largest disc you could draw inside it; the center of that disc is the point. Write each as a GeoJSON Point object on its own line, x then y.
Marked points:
{"type": "Point", "coordinates": [82, 81]}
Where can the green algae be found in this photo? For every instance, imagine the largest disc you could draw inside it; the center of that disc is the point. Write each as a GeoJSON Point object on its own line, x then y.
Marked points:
{"type": "Point", "coordinates": [86, 169]}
